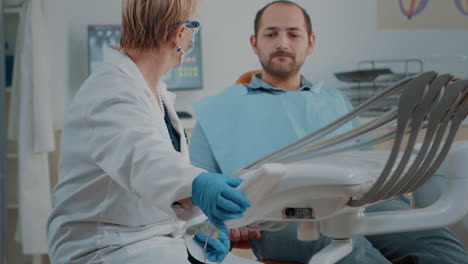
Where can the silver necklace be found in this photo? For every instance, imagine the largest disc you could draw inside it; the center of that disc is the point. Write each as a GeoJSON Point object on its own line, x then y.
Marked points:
{"type": "Point", "coordinates": [158, 93]}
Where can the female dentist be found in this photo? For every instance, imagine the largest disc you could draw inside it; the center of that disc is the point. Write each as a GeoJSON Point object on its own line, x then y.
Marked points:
{"type": "Point", "coordinates": [124, 169]}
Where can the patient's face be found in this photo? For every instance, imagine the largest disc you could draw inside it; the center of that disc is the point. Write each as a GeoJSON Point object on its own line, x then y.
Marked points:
{"type": "Point", "coordinates": [282, 43]}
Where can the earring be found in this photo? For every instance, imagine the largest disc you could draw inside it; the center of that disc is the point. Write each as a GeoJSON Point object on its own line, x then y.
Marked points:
{"type": "Point", "coordinates": [179, 49]}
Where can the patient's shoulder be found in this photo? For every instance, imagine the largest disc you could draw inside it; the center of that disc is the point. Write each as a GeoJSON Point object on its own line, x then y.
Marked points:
{"type": "Point", "coordinates": [230, 93]}
{"type": "Point", "coordinates": [235, 89]}
{"type": "Point", "coordinates": [227, 98]}
{"type": "Point", "coordinates": [331, 91]}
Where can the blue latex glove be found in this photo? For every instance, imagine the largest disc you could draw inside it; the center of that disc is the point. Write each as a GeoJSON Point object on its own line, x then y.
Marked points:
{"type": "Point", "coordinates": [217, 197]}
{"type": "Point", "coordinates": [217, 247]}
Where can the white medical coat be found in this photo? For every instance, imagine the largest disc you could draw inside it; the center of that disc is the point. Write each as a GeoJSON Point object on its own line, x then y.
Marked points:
{"type": "Point", "coordinates": [31, 124]}
{"type": "Point", "coordinates": [119, 173]}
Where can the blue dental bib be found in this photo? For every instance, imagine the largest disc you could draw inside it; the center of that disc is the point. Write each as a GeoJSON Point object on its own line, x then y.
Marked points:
{"type": "Point", "coordinates": [243, 124]}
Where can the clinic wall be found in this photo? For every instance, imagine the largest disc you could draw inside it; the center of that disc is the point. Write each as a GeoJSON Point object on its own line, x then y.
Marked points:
{"type": "Point", "coordinates": [223, 37]}
{"type": "Point", "coordinates": [346, 33]}
{"type": "Point", "coordinates": [80, 14]}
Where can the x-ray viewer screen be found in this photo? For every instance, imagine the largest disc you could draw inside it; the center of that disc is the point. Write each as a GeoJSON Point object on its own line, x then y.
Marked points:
{"type": "Point", "coordinates": [186, 76]}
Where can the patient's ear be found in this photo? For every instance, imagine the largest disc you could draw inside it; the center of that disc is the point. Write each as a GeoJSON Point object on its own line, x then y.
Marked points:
{"type": "Point", "coordinates": [311, 44]}
{"type": "Point", "coordinates": [253, 43]}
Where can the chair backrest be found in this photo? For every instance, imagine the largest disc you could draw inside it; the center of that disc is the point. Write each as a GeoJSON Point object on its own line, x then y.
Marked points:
{"type": "Point", "coordinates": [247, 77]}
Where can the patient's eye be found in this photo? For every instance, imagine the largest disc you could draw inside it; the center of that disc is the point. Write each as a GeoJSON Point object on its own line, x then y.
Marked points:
{"type": "Point", "coordinates": [294, 34]}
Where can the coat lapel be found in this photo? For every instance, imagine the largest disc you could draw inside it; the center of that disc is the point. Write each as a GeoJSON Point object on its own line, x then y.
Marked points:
{"type": "Point", "coordinates": [169, 99]}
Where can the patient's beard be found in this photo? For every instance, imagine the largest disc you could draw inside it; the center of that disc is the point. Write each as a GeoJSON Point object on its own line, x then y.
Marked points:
{"type": "Point", "coordinates": [278, 69]}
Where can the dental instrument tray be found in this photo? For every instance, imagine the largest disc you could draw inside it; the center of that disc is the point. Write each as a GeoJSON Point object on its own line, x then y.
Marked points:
{"type": "Point", "coordinates": [362, 75]}
{"type": "Point", "coordinates": [381, 74]}
{"type": "Point", "coordinates": [373, 76]}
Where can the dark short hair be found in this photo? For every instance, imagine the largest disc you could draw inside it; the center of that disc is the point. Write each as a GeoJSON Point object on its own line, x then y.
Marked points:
{"type": "Point", "coordinates": [259, 15]}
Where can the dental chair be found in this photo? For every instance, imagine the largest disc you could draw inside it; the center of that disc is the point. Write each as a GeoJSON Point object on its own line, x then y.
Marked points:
{"type": "Point", "coordinates": [431, 191]}
{"type": "Point", "coordinates": [326, 183]}
{"type": "Point", "coordinates": [245, 79]}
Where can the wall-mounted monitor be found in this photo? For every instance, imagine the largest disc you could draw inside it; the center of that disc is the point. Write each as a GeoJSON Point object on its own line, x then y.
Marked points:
{"type": "Point", "coordinates": [186, 76]}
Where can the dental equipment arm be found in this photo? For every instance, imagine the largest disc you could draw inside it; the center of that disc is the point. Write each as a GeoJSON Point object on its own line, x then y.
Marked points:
{"type": "Point", "coordinates": [317, 180]}
{"type": "Point", "coordinates": [338, 123]}
{"type": "Point", "coordinates": [318, 190]}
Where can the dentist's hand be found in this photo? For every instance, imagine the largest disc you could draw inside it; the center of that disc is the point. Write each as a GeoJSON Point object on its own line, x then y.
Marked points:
{"type": "Point", "coordinates": [217, 248]}
{"type": "Point", "coordinates": [217, 197]}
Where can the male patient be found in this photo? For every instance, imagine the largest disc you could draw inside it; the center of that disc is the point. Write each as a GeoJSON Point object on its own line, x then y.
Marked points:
{"type": "Point", "coordinates": [246, 122]}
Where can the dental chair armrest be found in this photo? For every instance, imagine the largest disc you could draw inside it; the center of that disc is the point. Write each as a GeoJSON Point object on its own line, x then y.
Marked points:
{"type": "Point", "coordinates": [449, 208]}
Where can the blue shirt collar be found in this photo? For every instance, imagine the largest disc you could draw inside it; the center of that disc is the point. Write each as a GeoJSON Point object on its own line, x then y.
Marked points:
{"type": "Point", "coordinates": [257, 83]}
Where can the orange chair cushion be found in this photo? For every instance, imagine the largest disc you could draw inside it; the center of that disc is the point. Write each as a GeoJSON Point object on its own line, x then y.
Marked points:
{"type": "Point", "coordinates": [244, 244]}
{"type": "Point", "coordinates": [247, 77]}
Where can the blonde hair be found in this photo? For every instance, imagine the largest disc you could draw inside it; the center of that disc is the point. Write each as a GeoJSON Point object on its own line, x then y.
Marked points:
{"type": "Point", "coordinates": [147, 24]}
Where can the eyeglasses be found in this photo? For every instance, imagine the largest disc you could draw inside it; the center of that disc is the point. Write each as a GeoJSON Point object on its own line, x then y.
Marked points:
{"type": "Point", "coordinates": [194, 25]}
